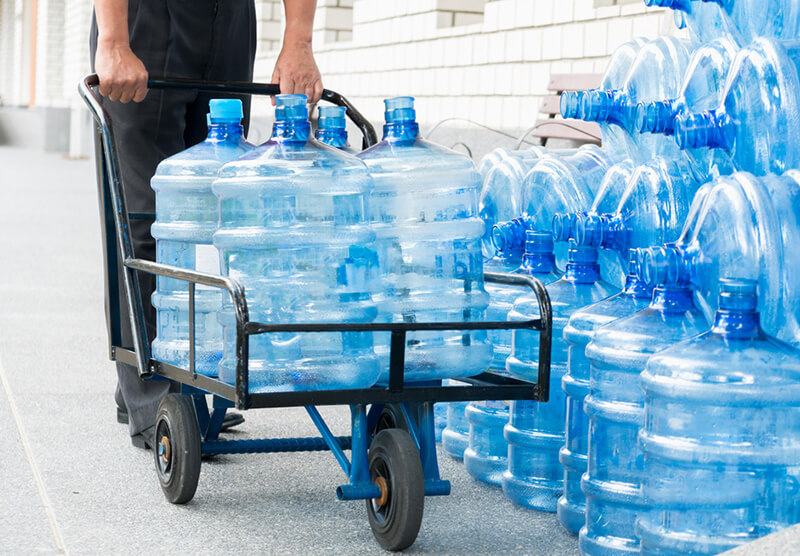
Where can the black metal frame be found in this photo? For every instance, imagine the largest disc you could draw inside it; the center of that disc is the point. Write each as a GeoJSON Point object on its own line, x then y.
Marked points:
{"type": "Point", "coordinates": [115, 218]}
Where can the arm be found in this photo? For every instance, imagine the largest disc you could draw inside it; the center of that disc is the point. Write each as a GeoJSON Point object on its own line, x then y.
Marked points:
{"type": "Point", "coordinates": [295, 70]}
{"type": "Point", "coordinates": [122, 75]}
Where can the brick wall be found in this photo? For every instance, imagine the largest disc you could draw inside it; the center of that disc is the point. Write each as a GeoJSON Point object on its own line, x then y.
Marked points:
{"type": "Point", "coordinates": [485, 60]}
{"type": "Point", "coordinates": [50, 54]}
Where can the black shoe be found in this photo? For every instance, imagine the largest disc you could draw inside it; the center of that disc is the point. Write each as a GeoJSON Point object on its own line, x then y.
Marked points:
{"type": "Point", "coordinates": [231, 419]}
{"type": "Point", "coordinates": [144, 439]}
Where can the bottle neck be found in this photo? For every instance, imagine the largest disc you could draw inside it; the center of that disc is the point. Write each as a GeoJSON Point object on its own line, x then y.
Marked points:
{"type": "Point", "coordinates": [291, 131]}
{"type": "Point", "coordinates": [334, 137]}
{"type": "Point", "coordinates": [401, 131]}
{"type": "Point", "coordinates": [582, 272]}
{"type": "Point", "coordinates": [707, 129]}
{"type": "Point", "coordinates": [569, 104]}
{"type": "Point", "coordinates": [681, 5]}
{"type": "Point", "coordinates": [510, 236]}
{"type": "Point", "coordinates": [610, 106]}
{"type": "Point", "coordinates": [564, 226]}
{"type": "Point", "coordinates": [668, 265]}
{"type": "Point", "coordinates": [538, 263]}
{"type": "Point", "coordinates": [219, 132]}
{"type": "Point", "coordinates": [673, 299]}
{"type": "Point", "coordinates": [605, 231]}
{"type": "Point", "coordinates": [737, 324]}
{"type": "Point", "coordinates": [635, 287]}
{"type": "Point", "coordinates": [657, 117]}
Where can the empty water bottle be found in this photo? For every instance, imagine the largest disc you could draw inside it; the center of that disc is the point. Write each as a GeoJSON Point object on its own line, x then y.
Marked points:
{"type": "Point", "coordinates": [721, 434]}
{"type": "Point", "coordinates": [753, 125]}
{"type": "Point", "coordinates": [749, 19]}
{"type": "Point", "coordinates": [613, 79]}
{"type": "Point", "coordinates": [618, 353]}
{"type": "Point", "coordinates": [535, 431]}
{"type": "Point", "coordinates": [704, 20]}
{"type": "Point", "coordinates": [425, 213]}
{"type": "Point", "coordinates": [746, 227]}
{"type": "Point", "coordinates": [294, 231]}
{"type": "Point", "coordinates": [655, 205]}
{"type": "Point", "coordinates": [578, 333]}
{"type": "Point", "coordinates": [455, 436]}
{"type": "Point", "coordinates": [331, 127]}
{"type": "Point", "coordinates": [555, 184]}
{"type": "Point", "coordinates": [656, 74]}
{"type": "Point", "coordinates": [186, 217]}
{"type": "Point", "coordinates": [486, 459]}
{"type": "Point", "coordinates": [701, 90]}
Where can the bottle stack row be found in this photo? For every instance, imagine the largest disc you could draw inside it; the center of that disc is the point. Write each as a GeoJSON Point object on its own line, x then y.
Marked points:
{"type": "Point", "coordinates": [673, 425]}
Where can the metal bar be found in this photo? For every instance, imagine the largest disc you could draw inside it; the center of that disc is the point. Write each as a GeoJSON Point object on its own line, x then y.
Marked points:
{"type": "Point", "coordinates": [328, 438]}
{"type": "Point", "coordinates": [397, 360]}
{"type": "Point", "coordinates": [192, 367]}
{"type": "Point", "coordinates": [122, 228]}
{"type": "Point", "coordinates": [262, 328]}
{"type": "Point", "coordinates": [270, 445]}
{"type": "Point", "coordinates": [413, 429]}
{"type": "Point", "coordinates": [241, 87]}
{"type": "Point", "coordinates": [361, 485]}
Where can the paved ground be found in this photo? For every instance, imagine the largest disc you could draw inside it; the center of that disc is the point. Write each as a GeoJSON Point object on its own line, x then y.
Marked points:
{"type": "Point", "coordinates": [71, 483]}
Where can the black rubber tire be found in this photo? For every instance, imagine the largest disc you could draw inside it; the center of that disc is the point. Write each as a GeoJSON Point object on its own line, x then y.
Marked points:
{"type": "Point", "coordinates": [394, 456]}
{"type": "Point", "coordinates": [178, 467]}
{"type": "Point", "coordinates": [391, 417]}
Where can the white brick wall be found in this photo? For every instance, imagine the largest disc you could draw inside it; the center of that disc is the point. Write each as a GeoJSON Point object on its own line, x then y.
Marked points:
{"type": "Point", "coordinates": [50, 54]}
{"type": "Point", "coordinates": [493, 70]}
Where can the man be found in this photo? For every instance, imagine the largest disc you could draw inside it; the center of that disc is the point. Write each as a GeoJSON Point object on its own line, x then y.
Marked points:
{"type": "Point", "coordinates": [198, 39]}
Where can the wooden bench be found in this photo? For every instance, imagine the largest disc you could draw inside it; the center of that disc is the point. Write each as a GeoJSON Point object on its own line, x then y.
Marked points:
{"type": "Point", "coordinates": [553, 126]}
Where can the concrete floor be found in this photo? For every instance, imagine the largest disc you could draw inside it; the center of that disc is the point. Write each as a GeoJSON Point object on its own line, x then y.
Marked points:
{"type": "Point", "coordinates": [70, 482]}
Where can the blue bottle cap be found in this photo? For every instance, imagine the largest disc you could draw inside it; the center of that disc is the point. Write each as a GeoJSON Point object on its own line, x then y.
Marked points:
{"type": "Point", "coordinates": [225, 109]}
{"type": "Point", "coordinates": [291, 107]}
{"type": "Point", "coordinates": [331, 117]}
{"type": "Point", "coordinates": [538, 242]}
{"type": "Point", "coordinates": [399, 109]}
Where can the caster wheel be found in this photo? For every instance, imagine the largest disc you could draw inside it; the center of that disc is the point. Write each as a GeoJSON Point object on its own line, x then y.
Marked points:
{"type": "Point", "coordinates": [395, 466]}
{"type": "Point", "coordinates": [177, 448]}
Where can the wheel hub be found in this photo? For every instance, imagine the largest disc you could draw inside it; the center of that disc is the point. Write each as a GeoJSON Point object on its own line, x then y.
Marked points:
{"type": "Point", "coordinates": [381, 482]}
{"type": "Point", "coordinates": [164, 449]}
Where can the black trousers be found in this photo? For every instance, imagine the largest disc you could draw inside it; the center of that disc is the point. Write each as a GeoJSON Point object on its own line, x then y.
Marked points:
{"type": "Point", "coordinates": [197, 39]}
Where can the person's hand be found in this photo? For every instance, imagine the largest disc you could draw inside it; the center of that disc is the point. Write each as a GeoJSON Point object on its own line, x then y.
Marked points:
{"type": "Point", "coordinates": [122, 75]}
{"type": "Point", "coordinates": [296, 71]}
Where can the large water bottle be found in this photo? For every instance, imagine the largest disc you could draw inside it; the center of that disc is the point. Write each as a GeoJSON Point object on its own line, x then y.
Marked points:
{"type": "Point", "coordinates": [704, 20]}
{"type": "Point", "coordinates": [746, 227]}
{"type": "Point", "coordinates": [294, 231]}
{"type": "Point", "coordinates": [486, 459]}
{"type": "Point", "coordinates": [754, 124]}
{"type": "Point", "coordinates": [618, 353]}
{"type": "Point", "coordinates": [425, 212]}
{"type": "Point", "coordinates": [535, 431]}
{"type": "Point", "coordinates": [721, 435]}
{"type": "Point", "coordinates": [455, 436]}
{"type": "Point", "coordinates": [761, 18]}
{"type": "Point", "coordinates": [186, 217]}
{"type": "Point", "coordinates": [332, 127]}
{"type": "Point", "coordinates": [555, 184]}
{"type": "Point", "coordinates": [613, 79]}
{"type": "Point", "coordinates": [578, 333]}
{"type": "Point", "coordinates": [655, 205]}
{"type": "Point", "coordinates": [655, 75]}
{"type": "Point", "coordinates": [701, 90]}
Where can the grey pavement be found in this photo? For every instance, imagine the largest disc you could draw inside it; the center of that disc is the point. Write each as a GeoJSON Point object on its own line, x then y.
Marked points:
{"type": "Point", "coordinates": [71, 483]}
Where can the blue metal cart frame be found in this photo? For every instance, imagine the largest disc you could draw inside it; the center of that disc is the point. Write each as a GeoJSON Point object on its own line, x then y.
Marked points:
{"type": "Point", "coordinates": [381, 461]}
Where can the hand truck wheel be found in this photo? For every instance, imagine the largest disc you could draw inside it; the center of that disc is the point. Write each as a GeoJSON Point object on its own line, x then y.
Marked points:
{"type": "Point", "coordinates": [395, 466]}
{"type": "Point", "coordinates": [391, 417]}
{"type": "Point", "coordinates": [177, 448]}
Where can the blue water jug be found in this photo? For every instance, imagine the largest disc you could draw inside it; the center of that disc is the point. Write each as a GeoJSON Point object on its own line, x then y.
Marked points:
{"type": "Point", "coordinates": [332, 127]}
{"type": "Point", "coordinates": [186, 217]}
{"type": "Point", "coordinates": [578, 333]}
{"type": "Point", "coordinates": [294, 231]}
{"type": "Point", "coordinates": [455, 436]}
{"type": "Point", "coordinates": [555, 184]}
{"type": "Point", "coordinates": [721, 434]}
{"type": "Point", "coordinates": [425, 213]}
{"type": "Point", "coordinates": [535, 431]}
{"type": "Point", "coordinates": [654, 206]}
{"type": "Point", "coordinates": [613, 79]}
{"type": "Point", "coordinates": [439, 419]}
{"type": "Point", "coordinates": [701, 90]}
{"type": "Point", "coordinates": [656, 74]}
{"type": "Point", "coordinates": [705, 21]}
{"type": "Point", "coordinates": [754, 124]}
{"type": "Point", "coordinates": [617, 354]}
{"type": "Point", "coordinates": [761, 18]}
{"type": "Point", "coordinates": [486, 459]}
{"type": "Point", "coordinates": [740, 226]}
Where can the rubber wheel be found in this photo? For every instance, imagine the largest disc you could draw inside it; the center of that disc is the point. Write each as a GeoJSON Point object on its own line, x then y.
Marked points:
{"type": "Point", "coordinates": [391, 417]}
{"type": "Point", "coordinates": [177, 448]}
{"type": "Point", "coordinates": [395, 463]}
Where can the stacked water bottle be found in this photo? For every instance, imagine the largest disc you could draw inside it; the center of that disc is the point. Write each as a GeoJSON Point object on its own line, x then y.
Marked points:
{"type": "Point", "coordinates": [673, 425]}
